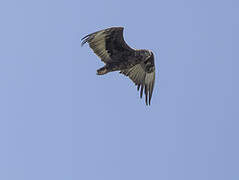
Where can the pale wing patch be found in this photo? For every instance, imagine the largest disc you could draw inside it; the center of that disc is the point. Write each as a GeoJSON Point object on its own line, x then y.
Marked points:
{"type": "Point", "coordinates": [144, 81]}
{"type": "Point", "coordinates": [149, 84]}
{"type": "Point", "coordinates": [97, 43]}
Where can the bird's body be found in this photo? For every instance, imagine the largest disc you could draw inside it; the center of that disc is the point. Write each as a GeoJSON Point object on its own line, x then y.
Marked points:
{"type": "Point", "coordinates": [138, 65]}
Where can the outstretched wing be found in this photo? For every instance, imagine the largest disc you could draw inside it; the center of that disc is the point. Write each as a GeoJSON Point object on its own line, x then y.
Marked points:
{"type": "Point", "coordinates": [109, 45]}
{"type": "Point", "coordinates": [143, 75]}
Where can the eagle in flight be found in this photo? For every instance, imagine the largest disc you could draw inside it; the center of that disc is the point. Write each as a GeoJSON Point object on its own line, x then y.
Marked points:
{"type": "Point", "coordinates": [138, 65]}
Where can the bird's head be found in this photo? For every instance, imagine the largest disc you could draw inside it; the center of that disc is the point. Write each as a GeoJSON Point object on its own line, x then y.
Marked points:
{"type": "Point", "coordinates": [146, 53]}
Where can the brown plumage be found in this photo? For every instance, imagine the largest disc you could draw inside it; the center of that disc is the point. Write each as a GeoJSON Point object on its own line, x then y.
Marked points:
{"type": "Point", "coordinates": [138, 65]}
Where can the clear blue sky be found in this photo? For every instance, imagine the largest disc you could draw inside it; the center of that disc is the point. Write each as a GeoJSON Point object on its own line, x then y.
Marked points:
{"type": "Point", "coordinates": [59, 120]}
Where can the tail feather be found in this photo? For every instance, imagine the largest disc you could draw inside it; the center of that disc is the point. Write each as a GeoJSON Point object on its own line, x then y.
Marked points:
{"type": "Point", "coordinates": [102, 71]}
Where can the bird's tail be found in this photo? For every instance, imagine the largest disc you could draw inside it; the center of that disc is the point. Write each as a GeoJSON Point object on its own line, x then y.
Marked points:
{"type": "Point", "coordinates": [102, 71]}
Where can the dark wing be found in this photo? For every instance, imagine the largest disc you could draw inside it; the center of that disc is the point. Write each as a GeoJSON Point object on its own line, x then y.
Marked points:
{"type": "Point", "coordinates": [109, 45]}
{"type": "Point", "coordinates": [143, 75]}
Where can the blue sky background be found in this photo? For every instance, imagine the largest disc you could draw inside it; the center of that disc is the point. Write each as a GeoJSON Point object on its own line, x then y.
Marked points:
{"type": "Point", "coordinates": [59, 120]}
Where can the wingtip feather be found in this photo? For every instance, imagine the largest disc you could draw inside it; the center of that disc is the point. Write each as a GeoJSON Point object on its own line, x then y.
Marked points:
{"type": "Point", "coordinates": [141, 91]}
{"type": "Point", "coordinates": [146, 94]}
{"type": "Point", "coordinates": [85, 39]}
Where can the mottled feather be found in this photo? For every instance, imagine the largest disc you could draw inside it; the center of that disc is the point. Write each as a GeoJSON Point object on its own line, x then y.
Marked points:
{"type": "Point", "coordinates": [143, 77]}
{"type": "Point", "coordinates": [138, 65]}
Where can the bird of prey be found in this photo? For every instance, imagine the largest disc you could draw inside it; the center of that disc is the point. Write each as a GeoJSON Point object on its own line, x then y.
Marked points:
{"type": "Point", "coordinates": [109, 45]}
